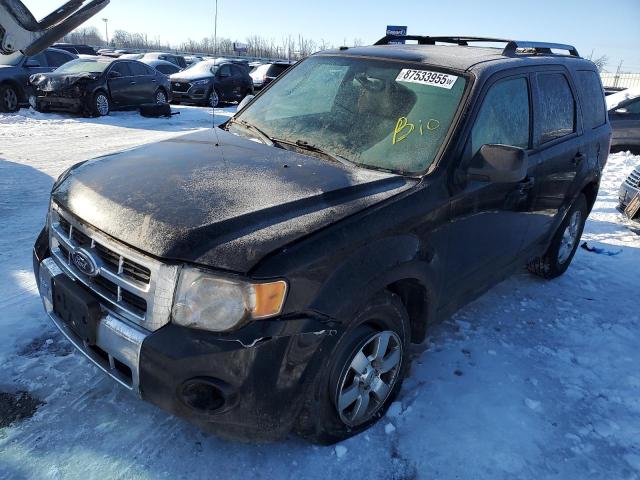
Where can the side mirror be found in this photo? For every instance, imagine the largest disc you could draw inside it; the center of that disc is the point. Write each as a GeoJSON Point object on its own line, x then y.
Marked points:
{"type": "Point", "coordinates": [621, 110]}
{"type": "Point", "coordinates": [245, 101]}
{"type": "Point", "coordinates": [114, 74]}
{"type": "Point", "coordinates": [499, 164]}
{"type": "Point", "coordinates": [32, 63]}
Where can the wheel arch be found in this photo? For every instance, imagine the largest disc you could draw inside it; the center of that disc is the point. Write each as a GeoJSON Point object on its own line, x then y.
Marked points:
{"type": "Point", "coordinates": [22, 95]}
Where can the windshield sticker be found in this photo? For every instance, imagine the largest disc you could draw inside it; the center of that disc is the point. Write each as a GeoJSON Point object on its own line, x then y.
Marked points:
{"type": "Point", "coordinates": [425, 77]}
{"type": "Point", "coordinates": [404, 128]}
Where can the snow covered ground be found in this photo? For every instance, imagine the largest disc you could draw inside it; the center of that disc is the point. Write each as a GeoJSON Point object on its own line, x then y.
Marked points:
{"type": "Point", "coordinates": [533, 380]}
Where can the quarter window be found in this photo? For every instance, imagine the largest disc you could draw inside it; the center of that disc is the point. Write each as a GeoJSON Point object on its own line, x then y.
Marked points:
{"type": "Point", "coordinates": [557, 107]}
{"type": "Point", "coordinates": [504, 116]}
{"type": "Point", "coordinates": [591, 98]}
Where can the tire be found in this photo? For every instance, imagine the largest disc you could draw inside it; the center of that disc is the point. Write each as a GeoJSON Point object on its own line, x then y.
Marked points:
{"type": "Point", "coordinates": [160, 97]}
{"type": "Point", "coordinates": [98, 106]}
{"type": "Point", "coordinates": [9, 99]}
{"type": "Point", "coordinates": [214, 100]}
{"type": "Point", "coordinates": [564, 244]}
{"type": "Point", "coordinates": [354, 375]}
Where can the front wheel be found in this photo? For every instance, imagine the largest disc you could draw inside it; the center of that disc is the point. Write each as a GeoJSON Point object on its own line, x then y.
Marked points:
{"type": "Point", "coordinates": [9, 100]}
{"type": "Point", "coordinates": [214, 99]}
{"type": "Point", "coordinates": [160, 97]}
{"type": "Point", "coordinates": [362, 376]}
{"type": "Point", "coordinates": [564, 244]}
{"type": "Point", "coordinates": [101, 105]}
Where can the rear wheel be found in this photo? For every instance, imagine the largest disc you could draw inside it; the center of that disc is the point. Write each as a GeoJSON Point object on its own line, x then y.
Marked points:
{"type": "Point", "coordinates": [362, 375]}
{"type": "Point", "coordinates": [9, 100]}
{"type": "Point", "coordinates": [160, 97]}
{"type": "Point", "coordinates": [101, 104]}
{"type": "Point", "coordinates": [564, 244]}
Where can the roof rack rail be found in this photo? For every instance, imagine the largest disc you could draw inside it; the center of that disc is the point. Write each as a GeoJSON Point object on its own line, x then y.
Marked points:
{"type": "Point", "coordinates": [510, 49]}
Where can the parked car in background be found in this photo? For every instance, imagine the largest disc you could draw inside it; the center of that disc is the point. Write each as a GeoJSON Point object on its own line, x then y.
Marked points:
{"type": "Point", "coordinates": [265, 74]}
{"type": "Point", "coordinates": [131, 56]}
{"type": "Point", "coordinates": [77, 49]}
{"type": "Point", "coordinates": [629, 188]}
{"type": "Point", "coordinates": [191, 59]}
{"type": "Point", "coordinates": [279, 272]}
{"type": "Point", "coordinates": [15, 70]}
{"type": "Point", "coordinates": [162, 66]}
{"type": "Point", "coordinates": [169, 57]}
{"type": "Point", "coordinates": [624, 114]}
{"type": "Point", "coordinates": [210, 83]}
{"type": "Point", "coordinates": [96, 87]}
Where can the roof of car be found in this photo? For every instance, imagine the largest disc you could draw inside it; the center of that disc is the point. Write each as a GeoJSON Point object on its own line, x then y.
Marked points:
{"type": "Point", "coordinates": [453, 56]}
{"type": "Point", "coordinates": [154, 62]}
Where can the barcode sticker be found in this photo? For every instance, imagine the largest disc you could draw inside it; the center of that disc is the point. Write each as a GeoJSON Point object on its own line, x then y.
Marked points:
{"type": "Point", "coordinates": [425, 77]}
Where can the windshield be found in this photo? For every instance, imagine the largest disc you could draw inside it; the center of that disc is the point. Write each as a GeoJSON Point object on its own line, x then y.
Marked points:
{"type": "Point", "coordinates": [11, 59]}
{"type": "Point", "coordinates": [204, 68]}
{"type": "Point", "coordinates": [373, 113]}
{"type": "Point", "coordinates": [82, 66]}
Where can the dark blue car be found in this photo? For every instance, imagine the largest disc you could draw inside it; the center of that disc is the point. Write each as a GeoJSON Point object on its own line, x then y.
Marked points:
{"type": "Point", "coordinates": [15, 70]}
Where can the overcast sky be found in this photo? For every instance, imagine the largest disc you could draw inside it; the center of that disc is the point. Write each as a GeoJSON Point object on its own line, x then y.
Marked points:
{"type": "Point", "coordinates": [611, 28]}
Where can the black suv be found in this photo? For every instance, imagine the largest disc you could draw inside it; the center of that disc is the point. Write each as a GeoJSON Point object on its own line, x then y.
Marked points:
{"type": "Point", "coordinates": [211, 83]}
{"type": "Point", "coordinates": [273, 273]}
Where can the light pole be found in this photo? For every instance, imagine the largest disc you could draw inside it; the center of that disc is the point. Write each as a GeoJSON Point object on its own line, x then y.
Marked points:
{"type": "Point", "coordinates": [215, 31]}
{"type": "Point", "coordinates": [106, 29]}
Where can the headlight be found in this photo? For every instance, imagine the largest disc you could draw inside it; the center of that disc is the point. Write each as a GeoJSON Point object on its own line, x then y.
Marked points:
{"type": "Point", "coordinates": [201, 82]}
{"type": "Point", "coordinates": [220, 304]}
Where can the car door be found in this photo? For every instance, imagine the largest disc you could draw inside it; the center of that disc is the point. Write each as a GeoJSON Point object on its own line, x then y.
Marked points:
{"type": "Point", "coordinates": [144, 83]}
{"type": "Point", "coordinates": [224, 82]}
{"type": "Point", "coordinates": [558, 142]}
{"type": "Point", "coordinates": [489, 221]}
{"type": "Point", "coordinates": [119, 79]}
{"type": "Point", "coordinates": [625, 121]}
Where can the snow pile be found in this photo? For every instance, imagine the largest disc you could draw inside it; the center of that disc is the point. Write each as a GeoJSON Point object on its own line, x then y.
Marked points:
{"type": "Point", "coordinates": [533, 380]}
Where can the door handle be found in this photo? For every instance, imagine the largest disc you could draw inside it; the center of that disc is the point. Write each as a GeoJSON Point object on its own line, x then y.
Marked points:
{"type": "Point", "coordinates": [132, 83]}
{"type": "Point", "coordinates": [526, 184]}
{"type": "Point", "coordinates": [578, 158]}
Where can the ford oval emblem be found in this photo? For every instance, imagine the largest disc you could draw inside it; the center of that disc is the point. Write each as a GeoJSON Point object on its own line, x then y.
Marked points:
{"type": "Point", "coordinates": [84, 262]}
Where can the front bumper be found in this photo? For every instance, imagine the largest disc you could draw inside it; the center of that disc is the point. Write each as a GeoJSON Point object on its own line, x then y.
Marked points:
{"type": "Point", "coordinates": [63, 104]}
{"type": "Point", "coordinates": [625, 194]}
{"type": "Point", "coordinates": [260, 373]}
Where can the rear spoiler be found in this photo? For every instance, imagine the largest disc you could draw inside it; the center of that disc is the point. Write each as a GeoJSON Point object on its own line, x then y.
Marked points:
{"type": "Point", "coordinates": [20, 31]}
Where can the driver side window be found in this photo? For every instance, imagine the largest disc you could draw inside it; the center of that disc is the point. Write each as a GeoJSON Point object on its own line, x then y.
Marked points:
{"type": "Point", "coordinates": [225, 71]}
{"type": "Point", "coordinates": [504, 116]}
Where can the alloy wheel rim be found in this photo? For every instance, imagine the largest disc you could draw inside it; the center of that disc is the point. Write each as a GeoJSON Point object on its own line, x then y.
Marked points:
{"type": "Point", "coordinates": [10, 99]}
{"type": "Point", "coordinates": [161, 98]}
{"type": "Point", "coordinates": [213, 99]}
{"type": "Point", "coordinates": [569, 237]}
{"type": "Point", "coordinates": [103, 104]}
{"type": "Point", "coordinates": [368, 381]}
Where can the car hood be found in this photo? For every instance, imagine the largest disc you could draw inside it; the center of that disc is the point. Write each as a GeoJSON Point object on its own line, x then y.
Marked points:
{"type": "Point", "coordinates": [189, 77]}
{"type": "Point", "coordinates": [49, 82]}
{"type": "Point", "coordinates": [217, 199]}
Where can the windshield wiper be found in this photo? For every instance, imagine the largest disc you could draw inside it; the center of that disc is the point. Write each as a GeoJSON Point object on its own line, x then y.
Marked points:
{"type": "Point", "coordinates": [304, 145]}
{"type": "Point", "coordinates": [266, 139]}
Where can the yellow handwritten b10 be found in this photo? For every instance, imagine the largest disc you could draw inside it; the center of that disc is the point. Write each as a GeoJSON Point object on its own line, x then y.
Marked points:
{"type": "Point", "coordinates": [404, 128]}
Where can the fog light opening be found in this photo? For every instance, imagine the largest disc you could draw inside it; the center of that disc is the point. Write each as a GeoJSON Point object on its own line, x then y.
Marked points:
{"type": "Point", "coordinates": [202, 395]}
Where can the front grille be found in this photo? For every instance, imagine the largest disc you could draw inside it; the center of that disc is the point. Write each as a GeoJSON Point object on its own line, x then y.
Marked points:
{"type": "Point", "coordinates": [633, 180]}
{"type": "Point", "coordinates": [180, 87]}
{"type": "Point", "coordinates": [128, 283]}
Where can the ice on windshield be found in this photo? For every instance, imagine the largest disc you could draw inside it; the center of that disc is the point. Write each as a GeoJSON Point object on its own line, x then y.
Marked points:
{"type": "Point", "coordinates": [375, 113]}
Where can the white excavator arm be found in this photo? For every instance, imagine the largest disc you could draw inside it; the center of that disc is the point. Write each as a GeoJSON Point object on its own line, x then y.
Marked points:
{"type": "Point", "coordinates": [20, 31]}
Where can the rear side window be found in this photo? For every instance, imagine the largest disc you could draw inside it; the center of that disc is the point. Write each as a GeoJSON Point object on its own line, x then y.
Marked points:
{"type": "Point", "coordinates": [591, 98]}
{"type": "Point", "coordinates": [557, 107]}
{"type": "Point", "coordinates": [504, 116]}
{"type": "Point", "coordinates": [56, 59]}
